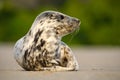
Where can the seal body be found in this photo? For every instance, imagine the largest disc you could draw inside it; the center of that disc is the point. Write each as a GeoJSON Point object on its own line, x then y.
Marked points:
{"type": "Point", "coordinates": [42, 49]}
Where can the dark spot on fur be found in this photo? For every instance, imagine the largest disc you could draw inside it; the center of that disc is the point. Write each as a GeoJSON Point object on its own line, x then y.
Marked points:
{"type": "Point", "coordinates": [41, 24]}
{"type": "Point", "coordinates": [57, 55]}
{"type": "Point", "coordinates": [41, 21]}
{"type": "Point", "coordinates": [56, 43]}
{"type": "Point", "coordinates": [42, 42]}
{"type": "Point", "coordinates": [48, 21]}
{"type": "Point", "coordinates": [41, 60]}
{"type": "Point", "coordinates": [51, 16]}
{"type": "Point", "coordinates": [65, 61]}
{"type": "Point", "coordinates": [24, 39]}
{"type": "Point", "coordinates": [68, 49]}
{"type": "Point", "coordinates": [38, 47]}
{"type": "Point", "coordinates": [30, 32]}
{"type": "Point", "coordinates": [21, 50]}
{"type": "Point", "coordinates": [38, 58]}
{"type": "Point", "coordinates": [45, 58]}
{"type": "Point", "coordinates": [25, 55]}
{"type": "Point", "coordinates": [56, 32]}
{"type": "Point", "coordinates": [37, 35]}
{"type": "Point", "coordinates": [59, 18]}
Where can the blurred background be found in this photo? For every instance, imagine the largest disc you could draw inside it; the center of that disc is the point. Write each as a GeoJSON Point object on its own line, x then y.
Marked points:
{"type": "Point", "coordinates": [100, 19]}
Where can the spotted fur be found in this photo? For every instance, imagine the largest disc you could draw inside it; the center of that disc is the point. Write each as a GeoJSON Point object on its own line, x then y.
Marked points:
{"type": "Point", "coordinates": [42, 49]}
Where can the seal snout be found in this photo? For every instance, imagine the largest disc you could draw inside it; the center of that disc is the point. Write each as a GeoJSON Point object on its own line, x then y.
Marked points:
{"type": "Point", "coordinates": [76, 20]}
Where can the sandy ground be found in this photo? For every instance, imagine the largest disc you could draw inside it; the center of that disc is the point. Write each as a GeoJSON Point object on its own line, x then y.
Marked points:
{"type": "Point", "coordinates": [96, 63]}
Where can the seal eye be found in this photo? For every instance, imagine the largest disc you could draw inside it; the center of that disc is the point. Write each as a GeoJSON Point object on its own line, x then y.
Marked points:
{"type": "Point", "coordinates": [61, 17]}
